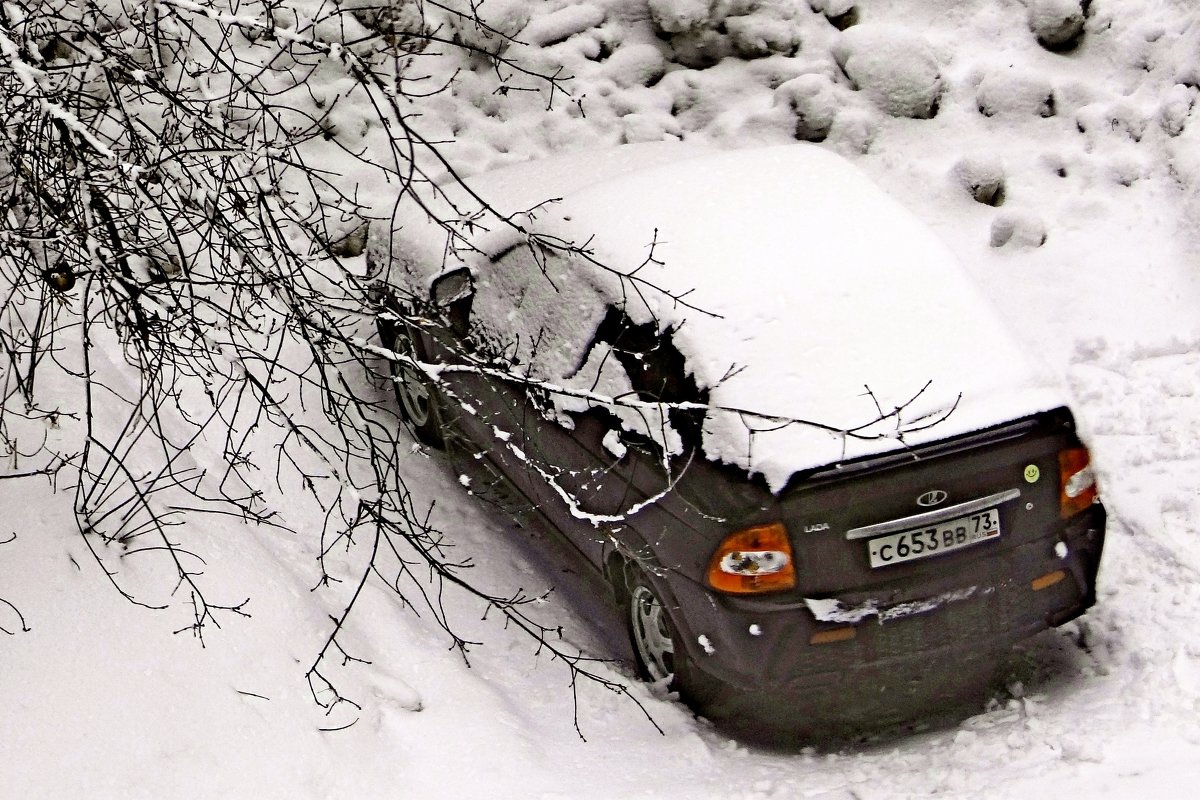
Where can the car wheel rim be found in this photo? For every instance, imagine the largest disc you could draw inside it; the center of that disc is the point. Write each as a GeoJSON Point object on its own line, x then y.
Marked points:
{"type": "Point", "coordinates": [414, 395]}
{"type": "Point", "coordinates": [651, 633]}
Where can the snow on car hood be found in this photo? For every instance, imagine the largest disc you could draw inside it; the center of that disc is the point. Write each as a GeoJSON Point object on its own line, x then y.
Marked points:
{"type": "Point", "coordinates": [823, 296]}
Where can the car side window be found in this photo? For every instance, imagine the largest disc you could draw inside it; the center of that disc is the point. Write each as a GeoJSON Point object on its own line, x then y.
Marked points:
{"type": "Point", "coordinates": [542, 314]}
{"type": "Point", "coordinates": [655, 366]}
{"type": "Point", "coordinates": [656, 372]}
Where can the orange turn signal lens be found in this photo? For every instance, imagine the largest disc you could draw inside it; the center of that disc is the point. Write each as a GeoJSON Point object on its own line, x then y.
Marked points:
{"type": "Point", "coordinates": [753, 561]}
{"type": "Point", "coordinates": [1077, 482]}
{"type": "Point", "coordinates": [832, 636]}
{"type": "Point", "coordinates": [1048, 580]}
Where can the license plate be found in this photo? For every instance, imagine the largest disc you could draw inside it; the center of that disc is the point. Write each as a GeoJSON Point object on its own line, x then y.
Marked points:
{"type": "Point", "coordinates": [933, 540]}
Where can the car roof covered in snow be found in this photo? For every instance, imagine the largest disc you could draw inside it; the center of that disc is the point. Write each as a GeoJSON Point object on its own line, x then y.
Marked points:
{"type": "Point", "coordinates": [821, 299]}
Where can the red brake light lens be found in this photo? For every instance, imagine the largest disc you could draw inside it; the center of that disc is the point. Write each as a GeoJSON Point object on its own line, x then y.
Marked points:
{"type": "Point", "coordinates": [753, 561]}
{"type": "Point", "coordinates": [1077, 482]}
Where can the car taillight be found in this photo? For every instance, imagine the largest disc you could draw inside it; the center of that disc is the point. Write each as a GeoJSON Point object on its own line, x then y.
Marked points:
{"type": "Point", "coordinates": [754, 560]}
{"type": "Point", "coordinates": [1076, 480]}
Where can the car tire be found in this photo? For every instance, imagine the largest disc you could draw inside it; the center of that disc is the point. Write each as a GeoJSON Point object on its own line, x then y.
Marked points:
{"type": "Point", "coordinates": [420, 401]}
{"type": "Point", "coordinates": [657, 648]}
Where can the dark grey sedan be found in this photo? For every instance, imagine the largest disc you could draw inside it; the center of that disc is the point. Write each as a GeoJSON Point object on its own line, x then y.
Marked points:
{"type": "Point", "coordinates": [826, 487]}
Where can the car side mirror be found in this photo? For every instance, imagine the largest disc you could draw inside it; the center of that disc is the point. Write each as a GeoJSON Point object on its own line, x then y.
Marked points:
{"type": "Point", "coordinates": [452, 292]}
{"type": "Point", "coordinates": [451, 287]}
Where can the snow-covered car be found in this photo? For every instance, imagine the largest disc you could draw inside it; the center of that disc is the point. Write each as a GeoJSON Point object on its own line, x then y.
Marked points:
{"type": "Point", "coordinates": [824, 484]}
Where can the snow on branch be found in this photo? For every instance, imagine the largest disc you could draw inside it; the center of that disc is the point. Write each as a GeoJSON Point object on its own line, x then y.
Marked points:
{"type": "Point", "coordinates": [180, 292]}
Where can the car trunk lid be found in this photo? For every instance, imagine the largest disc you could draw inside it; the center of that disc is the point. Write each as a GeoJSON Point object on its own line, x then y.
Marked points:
{"type": "Point", "coordinates": [843, 520]}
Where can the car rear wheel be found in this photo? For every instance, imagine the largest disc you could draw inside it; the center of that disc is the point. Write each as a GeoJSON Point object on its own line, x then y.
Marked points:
{"type": "Point", "coordinates": [657, 647]}
{"type": "Point", "coordinates": [419, 399]}
{"type": "Point", "coordinates": [651, 633]}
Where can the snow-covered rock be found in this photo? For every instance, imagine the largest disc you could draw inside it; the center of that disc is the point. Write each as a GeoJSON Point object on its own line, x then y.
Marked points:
{"type": "Point", "coordinates": [1057, 24]}
{"type": "Point", "coordinates": [758, 34]}
{"type": "Point", "coordinates": [701, 48]}
{"type": "Point", "coordinates": [1122, 118]}
{"type": "Point", "coordinates": [1176, 108]}
{"type": "Point", "coordinates": [814, 100]}
{"type": "Point", "coordinates": [982, 177]}
{"type": "Point", "coordinates": [1017, 92]}
{"type": "Point", "coordinates": [640, 127]}
{"type": "Point", "coordinates": [488, 26]}
{"type": "Point", "coordinates": [895, 67]}
{"type": "Point", "coordinates": [841, 14]}
{"type": "Point", "coordinates": [635, 65]}
{"type": "Point", "coordinates": [854, 130]}
{"type": "Point", "coordinates": [702, 32]}
{"type": "Point", "coordinates": [678, 16]}
{"type": "Point", "coordinates": [560, 25]}
{"type": "Point", "coordinates": [1018, 229]}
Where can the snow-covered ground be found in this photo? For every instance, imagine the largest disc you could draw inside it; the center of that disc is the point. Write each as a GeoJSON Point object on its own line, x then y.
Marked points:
{"type": "Point", "coordinates": [1093, 257]}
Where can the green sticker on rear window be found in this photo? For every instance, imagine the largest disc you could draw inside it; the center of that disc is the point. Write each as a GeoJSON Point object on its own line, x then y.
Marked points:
{"type": "Point", "coordinates": [1032, 473]}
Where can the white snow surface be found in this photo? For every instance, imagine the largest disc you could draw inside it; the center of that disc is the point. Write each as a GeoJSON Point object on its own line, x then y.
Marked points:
{"type": "Point", "coordinates": [100, 700]}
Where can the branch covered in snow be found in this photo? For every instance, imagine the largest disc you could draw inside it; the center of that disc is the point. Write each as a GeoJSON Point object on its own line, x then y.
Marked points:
{"type": "Point", "coordinates": [181, 291]}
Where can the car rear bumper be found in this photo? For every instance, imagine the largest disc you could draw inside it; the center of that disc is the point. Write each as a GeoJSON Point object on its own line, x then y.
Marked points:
{"type": "Point", "coordinates": [901, 656]}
